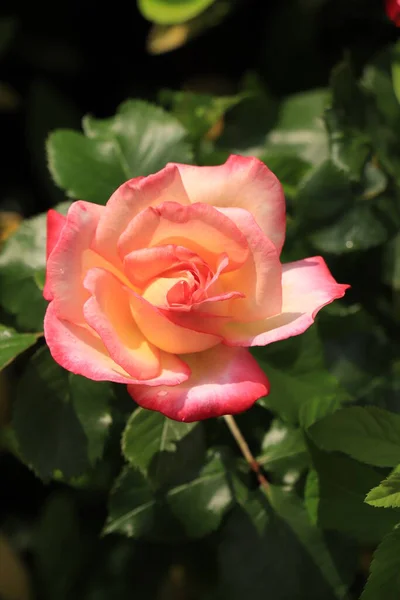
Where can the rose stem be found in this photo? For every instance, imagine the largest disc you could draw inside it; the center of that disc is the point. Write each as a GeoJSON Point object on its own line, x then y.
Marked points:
{"type": "Point", "coordinates": [241, 442]}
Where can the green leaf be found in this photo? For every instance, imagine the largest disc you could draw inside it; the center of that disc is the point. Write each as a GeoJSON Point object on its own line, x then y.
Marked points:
{"type": "Point", "coordinates": [22, 260]}
{"type": "Point", "coordinates": [148, 433]}
{"type": "Point", "coordinates": [132, 505]}
{"type": "Point", "coordinates": [396, 71]}
{"type": "Point", "coordinates": [377, 80]}
{"type": "Point", "coordinates": [140, 139]}
{"type": "Point", "coordinates": [387, 494]}
{"type": "Point", "coordinates": [293, 395]}
{"type": "Point", "coordinates": [48, 432]}
{"type": "Point", "coordinates": [201, 504]}
{"type": "Point", "coordinates": [369, 434]}
{"type": "Point", "coordinates": [346, 120]}
{"type": "Point", "coordinates": [253, 502]}
{"type": "Point", "coordinates": [323, 194]}
{"type": "Point", "coordinates": [247, 124]}
{"type": "Point", "coordinates": [289, 169]}
{"type": "Point", "coordinates": [384, 581]}
{"type": "Point", "coordinates": [198, 113]}
{"type": "Point", "coordinates": [336, 497]}
{"type": "Point", "coordinates": [91, 401]}
{"type": "Point", "coordinates": [391, 264]}
{"type": "Point", "coordinates": [197, 505]}
{"type": "Point", "coordinates": [12, 344]}
{"type": "Point", "coordinates": [290, 509]}
{"type": "Point", "coordinates": [280, 559]}
{"type": "Point", "coordinates": [300, 129]}
{"type": "Point", "coordinates": [84, 168]}
{"type": "Point", "coordinates": [169, 12]}
{"type": "Point", "coordinates": [282, 446]}
{"type": "Point", "coordinates": [363, 226]}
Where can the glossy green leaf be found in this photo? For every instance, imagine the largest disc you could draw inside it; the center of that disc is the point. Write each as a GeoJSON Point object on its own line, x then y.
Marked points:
{"type": "Point", "coordinates": [13, 343]}
{"type": "Point", "coordinates": [391, 266]}
{"type": "Point", "coordinates": [253, 502]}
{"type": "Point", "coordinates": [68, 151]}
{"type": "Point", "coordinates": [148, 433]}
{"type": "Point", "coordinates": [169, 12]}
{"type": "Point", "coordinates": [247, 124]}
{"type": "Point", "coordinates": [22, 261]}
{"type": "Point", "coordinates": [346, 121]}
{"type": "Point", "coordinates": [49, 434]}
{"type": "Point", "coordinates": [377, 80]}
{"type": "Point", "coordinates": [279, 560]}
{"type": "Point", "coordinates": [91, 401]}
{"type": "Point", "coordinates": [324, 194]}
{"type": "Point", "coordinates": [364, 226]}
{"type": "Point", "coordinates": [369, 434]}
{"type": "Point", "coordinates": [300, 129]}
{"type": "Point", "coordinates": [290, 509]}
{"type": "Point", "coordinates": [396, 71]}
{"type": "Point", "coordinates": [292, 395]}
{"type": "Point", "coordinates": [336, 497]}
{"type": "Point", "coordinates": [282, 446]}
{"type": "Point", "coordinates": [140, 139]}
{"type": "Point", "coordinates": [387, 494]}
{"type": "Point", "coordinates": [197, 112]}
{"type": "Point", "coordinates": [384, 581]}
{"type": "Point", "coordinates": [21, 257]}
{"type": "Point", "coordinates": [289, 169]}
{"type": "Point", "coordinates": [197, 505]}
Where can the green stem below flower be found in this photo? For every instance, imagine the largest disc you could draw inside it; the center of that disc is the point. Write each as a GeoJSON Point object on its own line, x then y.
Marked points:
{"type": "Point", "coordinates": [241, 442]}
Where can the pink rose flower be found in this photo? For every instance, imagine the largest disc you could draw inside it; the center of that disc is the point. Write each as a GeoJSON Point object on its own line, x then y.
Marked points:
{"type": "Point", "coordinates": [166, 286]}
{"type": "Point", "coordinates": [393, 11]}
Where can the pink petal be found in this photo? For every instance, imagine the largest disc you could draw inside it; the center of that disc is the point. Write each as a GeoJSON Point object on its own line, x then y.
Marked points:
{"type": "Point", "coordinates": [64, 265]}
{"type": "Point", "coordinates": [307, 286]}
{"type": "Point", "coordinates": [108, 313]}
{"type": "Point", "coordinates": [130, 199]}
{"type": "Point", "coordinates": [167, 335]}
{"type": "Point", "coordinates": [260, 277]}
{"type": "Point", "coordinates": [223, 381]}
{"type": "Point", "coordinates": [242, 182]}
{"type": "Point", "coordinates": [144, 264]}
{"type": "Point", "coordinates": [199, 227]}
{"type": "Point", "coordinates": [55, 224]}
{"type": "Point", "coordinates": [80, 351]}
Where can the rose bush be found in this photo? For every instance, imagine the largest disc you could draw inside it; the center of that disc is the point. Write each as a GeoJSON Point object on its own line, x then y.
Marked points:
{"type": "Point", "coordinates": [166, 286]}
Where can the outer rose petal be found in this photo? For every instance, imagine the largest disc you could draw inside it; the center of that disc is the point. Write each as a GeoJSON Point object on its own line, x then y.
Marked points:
{"type": "Point", "coordinates": [259, 278]}
{"type": "Point", "coordinates": [130, 199]}
{"type": "Point", "coordinates": [78, 350]}
{"type": "Point", "coordinates": [64, 266]}
{"type": "Point", "coordinates": [223, 381]}
{"type": "Point", "coordinates": [242, 182]}
{"type": "Point", "coordinates": [55, 224]}
{"type": "Point", "coordinates": [307, 287]}
{"type": "Point", "coordinates": [108, 313]}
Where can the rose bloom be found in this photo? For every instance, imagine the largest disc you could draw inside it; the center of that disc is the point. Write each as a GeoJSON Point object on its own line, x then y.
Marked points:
{"type": "Point", "coordinates": [165, 287]}
{"type": "Point", "coordinates": [393, 11]}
